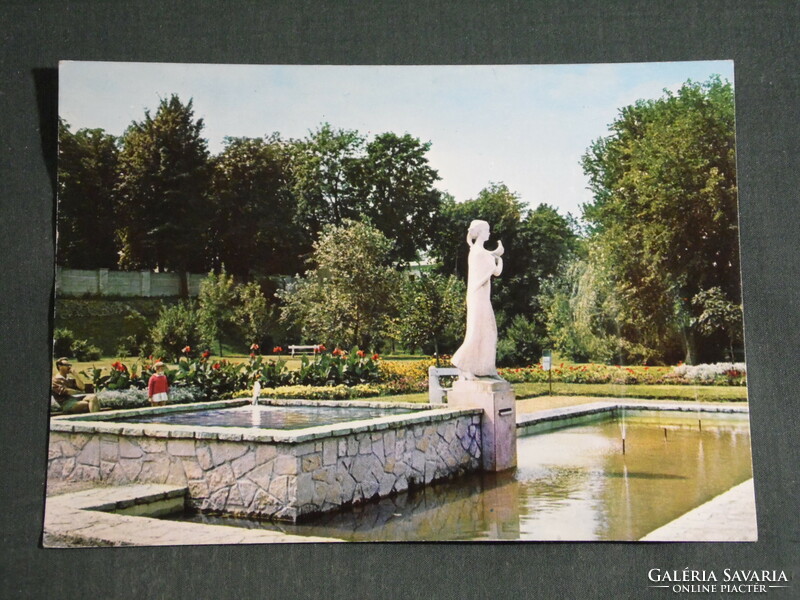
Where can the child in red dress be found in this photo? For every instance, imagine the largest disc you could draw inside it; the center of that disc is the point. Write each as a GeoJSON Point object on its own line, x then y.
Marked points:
{"type": "Point", "coordinates": [158, 386]}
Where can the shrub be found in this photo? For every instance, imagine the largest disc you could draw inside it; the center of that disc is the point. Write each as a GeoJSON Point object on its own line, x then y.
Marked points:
{"type": "Point", "coordinates": [521, 344]}
{"type": "Point", "coordinates": [62, 342]}
{"type": "Point", "coordinates": [405, 377]}
{"type": "Point", "coordinates": [84, 351]}
{"type": "Point", "coordinates": [136, 398]}
{"type": "Point", "coordinates": [338, 367]}
{"type": "Point", "coordinates": [177, 327]}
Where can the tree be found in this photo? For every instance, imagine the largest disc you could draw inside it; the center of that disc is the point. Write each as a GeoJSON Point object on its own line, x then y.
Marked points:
{"type": "Point", "coordinates": [87, 174]}
{"type": "Point", "coordinates": [719, 316]}
{"type": "Point", "coordinates": [215, 306]}
{"type": "Point", "coordinates": [177, 327]}
{"type": "Point", "coordinates": [251, 313]}
{"type": "Point", "coordinates": [253, 225]}
{"type": "Point", "coordinates": [348, 294]}
{"type": "Point", "coordinates": [162, 192]}
{"type": "Point", "coordinates": [395, 192]}
{"type": "Point", "coordinates": [664, 215]}
{"type": "Point", "coordinates": [536, 242]}
{"type": "Point", "coordinates": [323, 176]}
{"type": "Point", "coordinates": [432, 313]}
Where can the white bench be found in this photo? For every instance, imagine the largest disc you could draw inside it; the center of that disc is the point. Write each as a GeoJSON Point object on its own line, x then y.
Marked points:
{"type": "Point", "coordinates": [436, 393]}
{"type": "Point", "coordinates": [293, 349]}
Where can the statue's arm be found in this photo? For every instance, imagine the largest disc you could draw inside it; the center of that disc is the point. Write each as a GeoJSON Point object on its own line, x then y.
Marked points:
{"type": "Point", "coordinates": [498, 266]}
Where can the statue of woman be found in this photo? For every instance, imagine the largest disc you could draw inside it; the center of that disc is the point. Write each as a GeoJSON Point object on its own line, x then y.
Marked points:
{"type": "Point", "coordinates": [476, 356]}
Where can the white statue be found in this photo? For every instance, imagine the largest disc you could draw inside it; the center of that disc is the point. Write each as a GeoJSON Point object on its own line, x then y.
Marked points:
{"type": "Point", "coordinates": [476, 356]}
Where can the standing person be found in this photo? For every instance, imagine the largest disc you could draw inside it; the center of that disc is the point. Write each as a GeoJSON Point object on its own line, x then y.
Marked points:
{"type": "Point", "coordinates": [476, 356]}
{"type": "Point", "coordinates": [158, 386]}
{"type": "Point", "coordinates": [70, 392]}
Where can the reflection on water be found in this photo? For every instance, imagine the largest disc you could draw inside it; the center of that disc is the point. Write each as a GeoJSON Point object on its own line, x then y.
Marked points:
{"type": "Point", "coordinates": [572, 484]}
{"type": "Point", "coordinates": [269, 417]}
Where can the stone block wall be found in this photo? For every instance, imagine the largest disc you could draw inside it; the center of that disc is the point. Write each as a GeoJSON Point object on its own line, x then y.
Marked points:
{"type": "Point", "coordinates": [244, 474]}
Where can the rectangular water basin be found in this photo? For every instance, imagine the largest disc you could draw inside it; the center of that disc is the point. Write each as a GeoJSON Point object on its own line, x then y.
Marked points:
{"type": "Point", "coordinates": [235, 460]}
{"type": "Point", "coordinates": [571, 483]}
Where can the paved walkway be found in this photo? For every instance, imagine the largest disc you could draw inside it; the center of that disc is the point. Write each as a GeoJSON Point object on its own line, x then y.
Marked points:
{"type": "Point", "coordinates": [730, 517]}
{"type": "Point", "coordinates": [79, 519]}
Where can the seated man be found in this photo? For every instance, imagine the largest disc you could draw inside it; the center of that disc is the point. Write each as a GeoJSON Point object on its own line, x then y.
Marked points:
{"type": "Point", "coordinates": [69, 391]}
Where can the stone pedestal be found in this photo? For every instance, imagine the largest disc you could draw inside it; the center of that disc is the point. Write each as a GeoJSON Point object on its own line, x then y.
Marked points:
{"type": "Point", "coordinates": [499, 424]}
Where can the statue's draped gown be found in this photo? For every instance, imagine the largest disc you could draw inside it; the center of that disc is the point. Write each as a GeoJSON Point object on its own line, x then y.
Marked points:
{"type": "Point", "coordinates": [477, 354]}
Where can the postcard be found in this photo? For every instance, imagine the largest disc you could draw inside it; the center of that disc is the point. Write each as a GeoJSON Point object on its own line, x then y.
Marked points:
{"type": "Point", "coordinates": [306, 303]}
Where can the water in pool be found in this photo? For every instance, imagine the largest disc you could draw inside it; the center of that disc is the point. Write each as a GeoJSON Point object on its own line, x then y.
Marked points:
{"type": "Point", "coordinates": [269, 417]}
{"type": "Point", "coordinates": [571, 484]}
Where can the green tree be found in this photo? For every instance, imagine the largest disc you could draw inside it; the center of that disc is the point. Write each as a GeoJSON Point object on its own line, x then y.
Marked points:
{"type": "Point", "coordinates": [216, 305]}
{"type": "Point", "coordinates": [347, 296]}
{"type": "Point", "coordinates": [251, 313]}
{"type": "Point", "coordinates": [719, 316]}
{"type": "Point", "coordinates": [664, 215]}
{"type": "Point", "coordinates": [432, 313]}
{"type": "Point", "coordinates": [177, 326]}
{"type": "Point", "coordinates": [163, 191]}
{"type": "Point", "coordinates": [536, 242]}
{"type": "Point", "coordinates": [395, 193]}
{"type": "Point", "coordinates": [324, 167]}
{"type": "Point", "coordinates": [87, 174]}
{"type": "Point", "coordinates": [253, 226]}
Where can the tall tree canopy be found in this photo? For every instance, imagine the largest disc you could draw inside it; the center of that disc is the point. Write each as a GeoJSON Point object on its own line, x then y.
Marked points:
{"type": "Point", "coordinates": [386, 182]}
{"type": "Point", "coordinates": [87, 174]}
{"type": "Point", "coordinates": [163, 190]}
{"type": "Point", "coordinates": [396, 194]}
{"type": "Point", "coordinates": [536, 242]}
{"type": "Point", "coordinates": [664, 215]}
{"type": "Point", "coordinates": [323, 170]}
{"type": "Point", "coordinates": [253, 225]}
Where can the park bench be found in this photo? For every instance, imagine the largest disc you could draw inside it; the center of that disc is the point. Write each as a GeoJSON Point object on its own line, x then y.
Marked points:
{"type": "Point", "coordinates": [437, 393]}
{"type": "Point", "coordinates": [302, 349]}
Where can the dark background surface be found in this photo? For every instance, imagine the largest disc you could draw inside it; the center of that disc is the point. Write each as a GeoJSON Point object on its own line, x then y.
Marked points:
{"type": "Point", "coordinates": [761, 37]}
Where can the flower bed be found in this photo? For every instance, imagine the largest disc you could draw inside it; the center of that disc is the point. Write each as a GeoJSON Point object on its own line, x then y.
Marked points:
{"type": "Point", "coordinates": [716, 374]}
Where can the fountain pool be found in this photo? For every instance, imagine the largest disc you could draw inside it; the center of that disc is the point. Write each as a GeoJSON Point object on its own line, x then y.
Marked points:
{"type": "Point", "coordinates": [571, 484]}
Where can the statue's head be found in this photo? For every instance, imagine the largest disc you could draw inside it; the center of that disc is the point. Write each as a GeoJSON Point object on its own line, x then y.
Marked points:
{"type": "Point", "coordinates": [478, 230]}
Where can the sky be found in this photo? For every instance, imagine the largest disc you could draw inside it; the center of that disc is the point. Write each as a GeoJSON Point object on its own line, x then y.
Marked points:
{"type": "Point", "coordinates": [526, 126]}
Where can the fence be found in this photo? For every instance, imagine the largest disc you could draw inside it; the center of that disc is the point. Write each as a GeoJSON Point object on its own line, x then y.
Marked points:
{"type": "Point", "coordinates": [104, 282]}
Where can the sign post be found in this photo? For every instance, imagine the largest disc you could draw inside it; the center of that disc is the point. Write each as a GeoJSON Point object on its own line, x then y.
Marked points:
{"type": "Point", "coordinates": [547, 365]}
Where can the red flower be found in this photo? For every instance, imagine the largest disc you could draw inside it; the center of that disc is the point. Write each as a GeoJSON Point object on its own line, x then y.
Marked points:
{"type": "Point", "coordinates": [320, 348]}
{"type": "Point", "coordinates": [252, 355]}
{"type": "Point", "coordinates": [186, 349]}
{"type": "Point", "coordinates": [375, 356]}
{"type": "Point", "coordinates": [254, 347]}
{"type": "Point", "coordinates": [277, 350]}
{"type": "Point", "coordinates": [206, 354]}
{"type": "Point", "coordinates": [337, 352]}
{"type": "Point", "coordinates": [215, 366]}
{"type": "Point", "coordinates": [361, 354]}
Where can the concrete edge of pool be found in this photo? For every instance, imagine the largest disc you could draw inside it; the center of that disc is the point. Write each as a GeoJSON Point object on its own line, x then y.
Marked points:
{"type": "Point", "coordinates": [558, 418]}
{"type": "Point", "coordinates": [126, 516]}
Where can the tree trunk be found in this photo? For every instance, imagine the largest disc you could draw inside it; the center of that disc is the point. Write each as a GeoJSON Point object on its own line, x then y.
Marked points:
{"type": "Point", "coordinates": [184, 284]}
{"type": "Point", "coordinates": [689, 346]}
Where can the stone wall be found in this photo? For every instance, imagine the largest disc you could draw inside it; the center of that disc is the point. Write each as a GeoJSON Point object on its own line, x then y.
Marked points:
{"type": "Point", "coordinates": [105, 282]}
{"type": "Point", "coordinates": [255, 475]}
